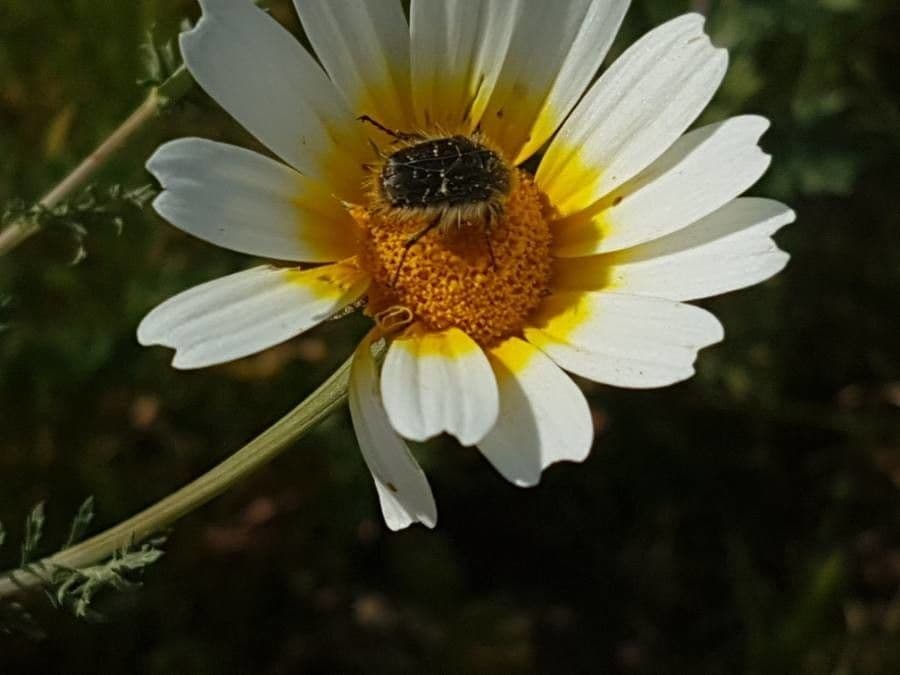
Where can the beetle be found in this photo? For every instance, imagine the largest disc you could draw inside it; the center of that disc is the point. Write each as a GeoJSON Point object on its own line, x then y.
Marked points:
{"type": "Point", "coordinates": [445, 181]}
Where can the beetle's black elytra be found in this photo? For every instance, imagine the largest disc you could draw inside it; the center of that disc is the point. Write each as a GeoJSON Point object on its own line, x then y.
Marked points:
{"type": "Point", "coordinates": [444, 172]}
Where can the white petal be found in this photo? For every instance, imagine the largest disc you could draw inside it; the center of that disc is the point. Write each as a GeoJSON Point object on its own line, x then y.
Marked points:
{"type": "Point", "coordinates": [623, 340]}
{"type": "Point", "coordinates": [402, 487]}
{"type": "Point", "coordinates": [261, 75]}
{"type": "Point", "coordinates": [436, 382]}
{"type": "Point", "coordinates": [244, 313]}
{"type": "Point", "coordinates": [634, 112]}
{"type": "Point", "coordinates": [245, 202]}
{"type": "Point", "coordinates": [555, 52]}
{"type": "Point", "coordinates": [364, 46]}
{"type": "Point", "coordinates": [457, 50]}
{"type": "Point", "coordinates": [702, 172]}
{"type": "Point", "coordinates": [544, 418]}
{"type": "Point", "coordinates": [729, 249]}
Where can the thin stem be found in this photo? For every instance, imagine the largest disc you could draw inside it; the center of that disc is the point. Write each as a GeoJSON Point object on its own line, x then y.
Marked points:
{"type": "Point", "coordinates": [268, 445]}
{"type": "Point", "coordinates": [16, 233]}
{"type": "Point", "coordinates": [97, 159]}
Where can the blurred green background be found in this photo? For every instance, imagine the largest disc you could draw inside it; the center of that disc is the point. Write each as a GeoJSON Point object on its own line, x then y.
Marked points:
{"type": "Point", "coordinates": [743, 522]}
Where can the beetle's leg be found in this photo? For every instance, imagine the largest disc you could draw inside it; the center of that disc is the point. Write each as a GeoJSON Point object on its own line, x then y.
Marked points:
{"type": "Point", "coordinates": [487, 229]}
{"type": "Point", "coordinates": [412, 241]}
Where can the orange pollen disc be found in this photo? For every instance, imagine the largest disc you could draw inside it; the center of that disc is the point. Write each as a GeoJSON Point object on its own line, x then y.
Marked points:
{"type": "Point", "coordinates": [448, 278]}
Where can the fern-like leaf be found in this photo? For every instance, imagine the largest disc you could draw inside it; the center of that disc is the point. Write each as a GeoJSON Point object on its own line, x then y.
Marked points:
{"type": "Point", "coordinates": [70, 589]}
{"type": "Point", "coordinates": [34, 532]}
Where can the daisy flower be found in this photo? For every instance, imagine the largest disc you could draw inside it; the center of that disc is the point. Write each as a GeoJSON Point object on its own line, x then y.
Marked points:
{"type": "Point", "coordinates": [402, 185]}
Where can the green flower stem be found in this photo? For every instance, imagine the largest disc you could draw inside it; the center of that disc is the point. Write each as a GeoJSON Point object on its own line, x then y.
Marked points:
{"type": "Point", "coordinates": [268, 445]}
{"type": "Point", "coordinates": [170, 91]}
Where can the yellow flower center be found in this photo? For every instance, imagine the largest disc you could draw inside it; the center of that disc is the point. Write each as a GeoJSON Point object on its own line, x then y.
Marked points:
{"type": "Point", "coordinates": [482, 280]}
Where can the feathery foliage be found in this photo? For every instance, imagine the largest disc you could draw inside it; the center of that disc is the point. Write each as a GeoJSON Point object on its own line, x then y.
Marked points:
{"type": "Point", "coordinates": [72, 590]}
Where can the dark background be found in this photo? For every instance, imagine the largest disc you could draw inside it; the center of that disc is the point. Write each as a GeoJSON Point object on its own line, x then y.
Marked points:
{"type": "Point", "coordinates": [743, 522]}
